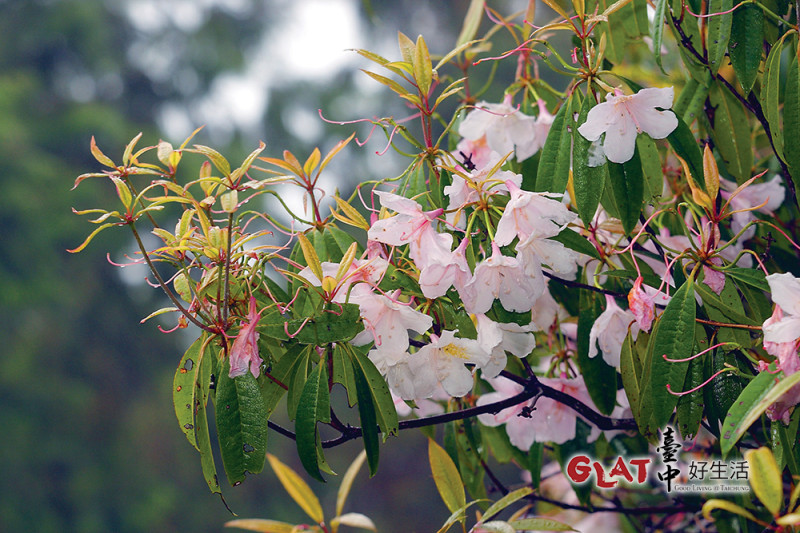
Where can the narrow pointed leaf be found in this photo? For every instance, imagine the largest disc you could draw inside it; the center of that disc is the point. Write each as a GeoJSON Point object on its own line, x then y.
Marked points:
{"type": "Point", "coordinates": [746, 44]}
{"type": "Point", "coordinates": [765, 478]}
{"type": "Point", "coordinates": [382, 398]}
{"type": "Point", "coordinates": [731, 133]}
{"type": "Point", "coordinates": [505, 501]}
{"type": "Point", "coordinates": [725, 505]}
{"type": "Point", "coordinates": [626, 183]}
{"type": "Point", "coordinates": [347, 482]}
{"type": "Point", "coordinates": [185, 388]}
{"type": "Point", "coordinates": [770, 91]}
{"type": "Point", "coordinates": [471, 22]}
{"type": "Point", "coordinates": [661, 9]}
{"type": "Point", "coordinates": [423, 71]}
{"type": "Point", "coordinates": [369, 423]}
{"type": "Point", "coordinates": [791, 122]}
{"type": "Point", "coordinates": [673, 338]}
{"type": "Point", "coordinates": [541, 524]}
{"type": "Point", "coordinates": [764, 390]}
{"type": "Point", "coordinates": [588, 181]}
{"type": "Point", "coordinates": [683, 142]}
{"type": "Point", "coordinates": [314, 407]}
{"type": "Point", "coordinates": [553, 172]}
{"type": "Point", "coordinates": [298, 489]}
{"type": "Point", "coordinates": [719, 32]}
{"type": "Point", "coordinates": [445, 475]}
{"type": "Point", "coordinates": [241, 426]}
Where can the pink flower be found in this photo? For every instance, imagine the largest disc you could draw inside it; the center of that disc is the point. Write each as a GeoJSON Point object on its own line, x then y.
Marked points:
{"type": "Point", "coordinates": [443, 270]}
{"type": "Point", "coordinates": [439, 362]}
{"type": "Point", "coordinates": [244, 352]}
{"type": "Point", "coordinates": [770, 194]}
{"type": "Point", "coordinates": [610, 330]}
{"type": "Point", "coordinates": [641, 305]}
{"type": "Point", "coordinates": [479, 183]}
{"type": "Point", "coordinates": [411, 226]}
{"type": "Point", "coordinates": [387, 322]}
{"type": "Point", "coordinates": [623, 117]}
{"type": "Point", "coordinates": [549, 421]}
{"type": "Point", "coordinates": [506, 129]}
{"type": "Point", "coordinates": [497, 338]}
{"type": "Point", "coordinates": [530, 213]}
{"type": "Point", "coordinates": [501, 277]}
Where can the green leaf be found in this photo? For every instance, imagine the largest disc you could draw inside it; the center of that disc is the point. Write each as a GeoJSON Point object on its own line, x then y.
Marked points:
{"type": "Point", "coordinates": [690, 408]}
{"type": "Point", "coordinates": [719, 32]}
{"type": "Point", "coordinates": [207, 463]}
{"type": "Point", "coordinates": [731, 306]}
{"type": "Point", "coordinates": [588, 181]}
{"type": "Point", "coordinates": [770, 92]}
{"type": "Point", "coordinates": [423, 70]}
{"type": "Point", "coordinates": [753, 277]}
{"type": "Point", "coordinates": [553, 172]}
{"type": "Point", "coordinates": [662, 7]}
{"type": "Point", "coordinates": [576, 241]}
{"type": "Point", "coordinates": [765, 478]}
{"type": "Point", "coordinates": [731, 133]}
{"type": "Point", "coordinates": [298, 489]}
{"type": "Point", "coordinates": [747, 44]}
{"type": "Point", "coordinates": [626, 184]}
{"type": "Point", "coordinates": [653, 174]}
{"type": "Point", "coordinates": [369, 422]}
{"type": "Point", "coordinates": [185, 389]}
{"type": "Point", "coordinates": [673, 339]}
{"type": "Point", "coordinates": [683, 142]}
{"type": "Point", "coordinates": [216, 158]}
{"type": "Point", "coordinates": [691, 100]}
{"type": "Point", "coordinates": [791, 122]}
{"type": "Point", "coordinates": [445, 475]}
{"type": "Point", "coordinates": [762, 391]}
{"type": "Point", "coordinates": [600, 377]}
{"type": "Point", "coordinates": [314, 407]}
{"type": "Point", "coordinates": [241, 424]}
{"type": "Point", "coordinates": [471, 22]}
{"type": "Point", "coordinates": [630, 367]}
{"type": "Point", "coordinates": [382, 398]}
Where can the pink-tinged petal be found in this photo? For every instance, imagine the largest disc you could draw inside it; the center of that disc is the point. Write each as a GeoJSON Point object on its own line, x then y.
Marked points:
{"type": "Point", "coordinates": [394, 231]}
{"type": "Point", "coordinates": [785, 330]}
{"type": "Point", "coordinates": [641, 305]}
{"type": "Point", "coordinates": [654, 97]}
{"type": "Point", "coordinates": [598, 120]}
{"type": "Point", "coordinates": [399, 204]}
{"type": "Point", "coordinates": [620, 141]}
{"type": "Point", "coordinates": [785, 289]}
{"type": "Point", "coordinates": [657, 124]}
{"type": "Point", "coordinates": [714, 279]}
{"type": "Point", "coordinates": [244, 352]}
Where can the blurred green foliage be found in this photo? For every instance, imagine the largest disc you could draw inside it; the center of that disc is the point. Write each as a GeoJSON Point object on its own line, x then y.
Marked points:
{"type": "Point", "coordinates": [89, 441]}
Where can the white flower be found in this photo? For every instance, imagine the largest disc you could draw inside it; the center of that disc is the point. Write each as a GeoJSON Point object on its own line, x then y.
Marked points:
{"type": "Point", "coordinates": [441, 361]}
{"type": "Point", "coordinates": [387, 322]}
{"type": "Point", "coordinates": [785, 290]}
{"type": "Point", "coordinates": [610, 330]}
{"type": "Point", "coordinates": [502, 277]}
{"type": "Point", "coordinates": [497, 338]}
{"type": "Point", "coordinates": [622, 117]}
{"type": "Point", "coordinates": [530, 213]}
{"type": "Point", "coordinates": [505, 127]}
{"type": "Point", "coordinates": [770, 194]}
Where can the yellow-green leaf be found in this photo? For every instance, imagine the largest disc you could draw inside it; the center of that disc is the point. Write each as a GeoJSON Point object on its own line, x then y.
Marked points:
{"type": "Point", "coordinates": [102, 158]}
{"type": "Point", "coordinates": [310, 255]}
{"type": "Point", "coordinates": [423, 71]}
{"type": "Point", "coordinates": [765, 478]}
{"type": "Point", "coordinates": [471, 22]}
{"type": "Point", "coordinates": [260, 525]}
{"type": "Point", "coordinates": [445, 474]}
{"type": "Point", "coordinates": [347, 481]}
{"type": "Point", "coordinates": [725, 505]}
{"type": "Point", "coordinates": [297, 489]}
{"type": "Point", "coordinates": [791, 519]}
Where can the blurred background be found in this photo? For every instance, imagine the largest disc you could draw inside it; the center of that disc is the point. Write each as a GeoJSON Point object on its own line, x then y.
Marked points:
{"type": "Point", "coordinates": [88, 437]}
